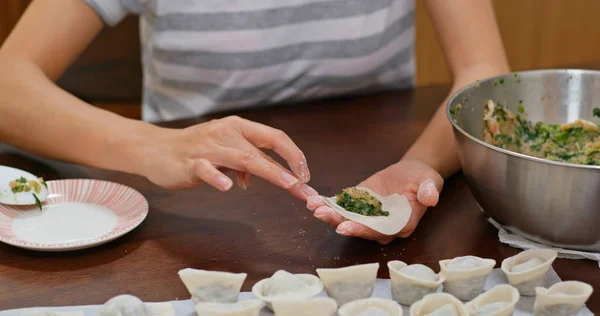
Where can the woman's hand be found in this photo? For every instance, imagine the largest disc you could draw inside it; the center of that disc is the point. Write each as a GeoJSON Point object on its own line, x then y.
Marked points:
{"type": "Point", "coordinates": [414, 179]}
{"type": "Point", "coordinates": [185, 158]}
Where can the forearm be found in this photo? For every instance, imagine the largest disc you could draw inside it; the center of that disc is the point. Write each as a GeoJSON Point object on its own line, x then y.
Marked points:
{"type": "Point", "coordinates": [469, 36]}
{"type": "Point", "coordinates": [39, 117]}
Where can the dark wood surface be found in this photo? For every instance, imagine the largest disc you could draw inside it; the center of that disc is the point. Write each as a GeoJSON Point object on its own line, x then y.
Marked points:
{"type": "Point", "coordinates": [263, 229]}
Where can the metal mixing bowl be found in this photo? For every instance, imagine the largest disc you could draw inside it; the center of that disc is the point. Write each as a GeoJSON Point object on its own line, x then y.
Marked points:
{"type": "Point", "coordinates": [549, 202]}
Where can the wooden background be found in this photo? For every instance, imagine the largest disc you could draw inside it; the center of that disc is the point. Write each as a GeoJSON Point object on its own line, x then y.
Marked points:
{"type": "Point", "coordinates": [536, 34]}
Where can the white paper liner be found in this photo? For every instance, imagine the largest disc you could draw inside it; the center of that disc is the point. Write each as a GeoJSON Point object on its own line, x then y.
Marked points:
{"type": "Point", "coordinates": [397, 205]}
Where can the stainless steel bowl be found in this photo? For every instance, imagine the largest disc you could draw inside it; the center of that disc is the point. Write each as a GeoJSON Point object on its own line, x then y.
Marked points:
{"type": "Point", "coordinates": [549, 202]}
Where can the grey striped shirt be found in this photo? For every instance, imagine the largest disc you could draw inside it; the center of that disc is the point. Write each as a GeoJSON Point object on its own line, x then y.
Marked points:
{"type": "Point", "coordinates": [202, 56]}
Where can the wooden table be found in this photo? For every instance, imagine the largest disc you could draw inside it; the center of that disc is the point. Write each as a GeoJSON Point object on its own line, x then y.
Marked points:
{"type": "Point", "coordinates": [263, 229]}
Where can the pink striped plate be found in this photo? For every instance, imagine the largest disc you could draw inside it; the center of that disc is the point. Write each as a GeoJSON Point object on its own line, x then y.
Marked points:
{"type": "Point", "coordinates": [78, 213]}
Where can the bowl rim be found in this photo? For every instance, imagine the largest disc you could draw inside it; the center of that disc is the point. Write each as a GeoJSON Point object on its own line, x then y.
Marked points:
{"type": "Point", "coordinates": [508, 152]}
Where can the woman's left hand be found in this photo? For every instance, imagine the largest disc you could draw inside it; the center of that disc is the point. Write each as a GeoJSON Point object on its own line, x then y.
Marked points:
{"type": "Point", "coordinates": [412, 178]}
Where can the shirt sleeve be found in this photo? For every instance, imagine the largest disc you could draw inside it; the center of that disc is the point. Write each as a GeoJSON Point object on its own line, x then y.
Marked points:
{"type": "Point", "coordinates": [114, 11]}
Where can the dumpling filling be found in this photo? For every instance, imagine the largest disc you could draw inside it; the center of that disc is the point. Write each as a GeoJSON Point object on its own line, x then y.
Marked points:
{"type": "Point", "coordinates": [491, 308]}
{"type": "Point", "coordinates": [527, 265]}
{"type": "Point", "coordinates": [360, 202]}
{"type": "Point", "coordinates": [445, 310]}
{"type": "Point", "coordinates": [420, 272]}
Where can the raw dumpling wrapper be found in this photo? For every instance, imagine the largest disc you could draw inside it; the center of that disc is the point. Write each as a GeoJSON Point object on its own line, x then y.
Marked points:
{"type": "Point", "coordinates": [411, 283]}
{"type": "Point", "coordinates": [439, 304]}
{"type": "Point", "coordinates": [499, 301]}
{"type": "Point", "coordinates": [319, 306]}
{"type": "Point", "coordinates": [464, 277]}
{"type": "Point", "coordinates": [212, 286]}
{"type": "Point", "coordinates": [242, 308]}
{"type": "Point", "coordinates": [527, 270]}
{"type": "Point", "coordinates": [371, 307]}
{"type": "Point", "coordinates": [397, 205]}
{"type": "Point", "coordinates": [284, 286]}
{"type": "Point", "coordinates": [562, 299]}
{"type": "Point", "coordinates": [129, 305]}
{"type": "Point", "coordinates": [42, 312]}
{"type": "Point", "coordinates": [349, 283]}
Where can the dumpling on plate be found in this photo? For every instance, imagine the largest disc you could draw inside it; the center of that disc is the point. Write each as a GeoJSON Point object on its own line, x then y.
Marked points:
{"type": "Point", "coordinates": [129, 305]}
{"type": "Point", "coordinates": [464, 277]}
{"type": "Point", "coordinates": [212, 286]}
{"type": "Point", "coordinates": [386, 215]}
{"type": "Point", "coordinates": [285, 286]}
{"type": "Point", "coordinates": [43, 312]}
{"type": "Point", "coordinates": [562, 299]}
{"type": "Point", "coordinates": [318, 306]}
{"type": "Point", "coordinates": [499, 301]}
{"type": "Point", "coordinates": [527, 270]}
{"type": "Point", "coordinates": [371, 307]}
{"type": "Point", "coordinates": [242, 308]}
{"type": "Point", "coordinates": [349, 283]}
{"type": "Point", "coordinates": [438, 304]}
{"type": "Point", "coordinates": [411, 283]}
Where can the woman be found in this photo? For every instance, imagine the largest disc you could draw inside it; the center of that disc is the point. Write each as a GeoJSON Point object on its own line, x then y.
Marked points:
{"type": "Point", "coordinates": [201, 56]}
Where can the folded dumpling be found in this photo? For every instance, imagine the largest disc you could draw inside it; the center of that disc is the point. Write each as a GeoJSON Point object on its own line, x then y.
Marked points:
{"type": "Point", "coordinates": [411, 283]}
{"type": "Point", "coordinates": [464, 277]}
{"type": "Point", "coordinates": [242, 308]}
{"type": "Point", "coordinates": [284, 286]}
{"type": "Point", "coordinates": [349, 283]}
{"type": "Point", "coordinates": [438, 304]}
{"type": "Point", "coordinates": [499, 301]}
{"type": "Point", "coordinates": [212, 286]}
{"type": "Point", "coordinates": [371, 307]}
{"type": "Point", "coordinates": [396, 207]}
{"type": "Point", "coordinates": [527, 270]}
{"type": "Point", "coordinates": [129, 305]}
{"type": "Point", "coordinates": [562, 299]}
{"type": "Point", "coordinates": [43, 312]}
{"type": "Point", "coordinates": [318, 306]}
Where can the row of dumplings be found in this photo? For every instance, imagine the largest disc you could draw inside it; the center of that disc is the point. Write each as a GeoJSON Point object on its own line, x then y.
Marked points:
{"type": "Point", "coordinates": [215, 293]}
{"type": "Point", "coordinates": [350, 288]}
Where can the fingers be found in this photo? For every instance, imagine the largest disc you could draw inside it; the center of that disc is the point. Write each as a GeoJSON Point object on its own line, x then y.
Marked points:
{"type": "Point", "coordinates": [205, 170]}
{"type": "Point", "coordinates": [314, 202]}
{"type": "Point", "coordinates": [303, 191]}
{"type": "Point", "coordinates": [328, 215]}
{"type": "Point", "coordinates": [243, 179]}
{"type": "Point", "coordinates": [354, 229]}
{"type": "Point", "coordinates": [428, 193]}
{"type": "Point", "coordinates": [263, 136]}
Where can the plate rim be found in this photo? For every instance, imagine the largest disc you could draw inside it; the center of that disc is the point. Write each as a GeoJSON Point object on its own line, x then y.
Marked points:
{"type": "Point", "coordinates": [88, 243]}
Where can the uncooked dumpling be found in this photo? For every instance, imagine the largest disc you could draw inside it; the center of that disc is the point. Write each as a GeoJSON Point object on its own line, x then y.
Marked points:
{"type": "Point", "coordinates": [242, 308]}
{"type": "Point", "coordinates": [371, 307]}
{"type": "Point", "coordinates": [212, 286]}
{"type": "Point", "coordinates": [396, 205]}
{"type": "Point", "coordinates": [43, 312]}
{"type": "Point", "coordinates": [562, 299]}
{"type": "Point", "coordinates": [411, 283]}
{"type": "Point", "coordinates": [124, 305]}
{"type": "Point", "coordinates": [499, 301]}
{"type": "Point", "coordinates": [527, 270]}
{"type": "Point", "coordinates": [349, 283]}
{"type": "Point", "coordinates": [318, 306]}
{"type": "Point", "coordinates": [284, 286]}
{"type": "Point", "coordinates": [465, 276]}
{"type": "Point", "coordinates": [438, 304]}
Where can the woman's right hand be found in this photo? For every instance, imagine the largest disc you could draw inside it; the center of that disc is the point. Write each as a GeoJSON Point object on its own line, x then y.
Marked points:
{"type": "Point", "coordinates": [185, 158]}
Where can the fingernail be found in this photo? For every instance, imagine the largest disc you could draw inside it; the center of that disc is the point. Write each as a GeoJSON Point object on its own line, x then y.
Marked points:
{"type": "Point", "coordinates": [342, 231]}
{"type": "Point", "coordinates": [304, 173]}
{"type": "Point", "coordinates": [319, 216]}
{"type": "Point", "coordinates": [288, 179]}
{"type": "Point", "coordinates": [224, 183]}
{"type": "Point", "coordinates": [308, 191]}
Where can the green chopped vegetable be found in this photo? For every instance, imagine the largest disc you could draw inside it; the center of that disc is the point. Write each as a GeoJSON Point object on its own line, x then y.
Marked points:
{"type": "Point", "coordinates": [360, 202]}
{"type": "Point", "coordinates": [38, 203]}
{"type": "Point", "coordinates": [502, 81]}
{"type": "Point", "coordinates": [596, 112]}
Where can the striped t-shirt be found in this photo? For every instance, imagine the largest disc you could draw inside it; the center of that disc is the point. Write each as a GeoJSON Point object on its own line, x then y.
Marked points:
{"type": "Point", "coordinates": [202, 56]}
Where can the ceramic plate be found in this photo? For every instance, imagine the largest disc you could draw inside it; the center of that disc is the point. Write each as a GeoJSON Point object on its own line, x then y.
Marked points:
{"type": "Point", "coordinates": [78, 214]}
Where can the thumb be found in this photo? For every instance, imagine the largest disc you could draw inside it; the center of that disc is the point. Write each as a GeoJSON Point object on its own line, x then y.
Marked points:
{"type": "Point", "coordinates": [428, 192]}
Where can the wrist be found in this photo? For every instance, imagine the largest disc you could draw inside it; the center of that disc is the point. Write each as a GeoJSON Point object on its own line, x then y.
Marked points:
{"type": "Point", "coordinates": [136, 148]}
